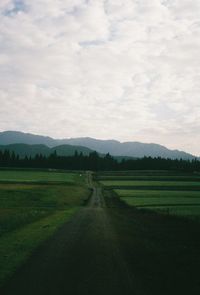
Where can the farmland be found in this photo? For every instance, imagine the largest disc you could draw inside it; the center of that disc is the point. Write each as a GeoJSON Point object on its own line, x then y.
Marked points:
{"type": "Point", "coordinates": [119, 237]}
{"type": "Point", "coordinates": [38, 176]}
{"type": "Point", "coordinates": [167, 192]}
{"type": "Point", "coordinates": [33, 204]}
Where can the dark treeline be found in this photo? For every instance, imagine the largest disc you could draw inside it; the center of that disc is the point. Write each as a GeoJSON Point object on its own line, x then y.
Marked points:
{"type": "Point", "coordinates": [95, 162]}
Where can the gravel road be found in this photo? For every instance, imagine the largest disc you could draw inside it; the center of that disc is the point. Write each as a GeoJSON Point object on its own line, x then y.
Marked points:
{"type": "Point", "coordinates": [83, 257]}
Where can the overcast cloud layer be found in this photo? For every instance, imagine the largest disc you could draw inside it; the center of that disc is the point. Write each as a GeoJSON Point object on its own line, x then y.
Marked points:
{"type": "Point", "coordinates": [123, 69]}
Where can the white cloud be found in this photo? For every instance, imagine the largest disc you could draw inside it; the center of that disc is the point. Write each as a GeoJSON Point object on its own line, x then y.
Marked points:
{"type": "Point", "coordinates": [104, 68]}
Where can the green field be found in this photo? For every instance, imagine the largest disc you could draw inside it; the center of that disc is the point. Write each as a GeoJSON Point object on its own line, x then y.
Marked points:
{"type": "Point", "coordinates": [169, 201]}
{"type": "Point", "coordinates": [31, 209]}
{"type": "Point", "coordinates": [189, 211]}
{"type": "Point", "coordinates": [174, 202]}
{"type": "Point", "coordinates": [150, 177]}
{"type": "Point", "coordinates": [157, 173]}
{"type": "Point", "coordinates": [158, 194]}
{"type": "Point", "coordinates": [39, 176]}
{"type": "Point", "coordinates": [131, 183]}
{"type": "Point", "coordinates": [171, 193]}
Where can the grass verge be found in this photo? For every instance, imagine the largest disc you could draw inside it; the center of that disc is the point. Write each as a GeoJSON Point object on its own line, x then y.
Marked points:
{"type": "Point", "coordinates": [162, 251]}
{"type": "Point", "coordinates": [17, 246]}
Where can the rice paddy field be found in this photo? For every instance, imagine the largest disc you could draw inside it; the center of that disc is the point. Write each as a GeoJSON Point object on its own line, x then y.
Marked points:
{"type": "Point", "coordinates": [130, 237]}
{"type": "Point", "coordinates": [35, 176]}
{"type": "Point", "coordinates": [162, 191]}
{"type": "Point", "coordinates": [33, 204]}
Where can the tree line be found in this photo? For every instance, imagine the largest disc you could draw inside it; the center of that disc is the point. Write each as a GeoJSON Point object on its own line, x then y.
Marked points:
{"type": "Point", "coordinates": [95, 162]}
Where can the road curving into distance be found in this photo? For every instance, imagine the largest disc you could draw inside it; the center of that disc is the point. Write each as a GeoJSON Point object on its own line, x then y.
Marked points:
{"type": "Point", "coordinates": [83, 257]}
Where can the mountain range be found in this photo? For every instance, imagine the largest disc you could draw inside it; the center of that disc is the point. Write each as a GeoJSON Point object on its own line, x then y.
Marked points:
{"type": "Point", "coordinates": [32, 150]}
{"type": "Point", "coordinates": [29, 144]}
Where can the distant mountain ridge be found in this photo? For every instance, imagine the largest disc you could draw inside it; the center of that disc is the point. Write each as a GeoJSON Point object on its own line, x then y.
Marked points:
{"type": "Point", "coordinates": [12, 137]}
{"type": "Point", "coordinates": [114, 147]}
{"type": "Point", "coordinates": [28, 150]}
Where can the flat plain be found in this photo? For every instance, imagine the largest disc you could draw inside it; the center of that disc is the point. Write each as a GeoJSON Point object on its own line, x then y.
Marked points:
{"type": "Point", "coordinates": [59, 238]}
{"type": "Point", "coordinates": [38, 176]}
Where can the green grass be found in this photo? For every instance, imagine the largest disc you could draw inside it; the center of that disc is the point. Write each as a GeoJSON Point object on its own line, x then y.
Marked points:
{"type": "Point", "coordinates": [161, 250]}
{"type": "Point", "coordinates": [148, 178]}
{"type": "Point", "coordinates": [25, 195]}
{"type": "Point", "coordinates": [146, 173]}
{"type": "Point", "coordinates": [157, 193]}
{"type": "Point", "coordinates": [30, 211]}
{"type": "Point", "coordinates": [168, 201]}
{"type": "Point", "coordinates": [17, 246]}
{"type": "Point", "coordinates": [172, 192]}
{"type": "Point", "coordinates": [132, 183]}
{"type": "Point", "coordinates": [181, 203]}
{"type": "Point", "coordinates": [22, 204]}
{"type": "Point", "coordinates": [158, 229]}
{"type": "Point", "coordinates": [190, 211]}
{"type": "Point", "coordinates": [152, 198]}
{"type": "Point", "coordinates": [39, 176]}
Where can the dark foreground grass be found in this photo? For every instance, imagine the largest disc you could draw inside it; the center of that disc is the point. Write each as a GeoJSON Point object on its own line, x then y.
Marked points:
{"type": "Point", "coordinates": [163, 252]}
{"type": "Point", "coordinates": [189, 211]}
{"type": "Point", "coordinates": [30, 213]}
{"type": "Point", "coordinates": [16, 246]}
{"type": "Point", "coordinates": [23, 204]}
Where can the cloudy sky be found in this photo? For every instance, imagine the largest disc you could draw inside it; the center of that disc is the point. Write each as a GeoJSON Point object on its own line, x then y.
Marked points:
{"type": "Point", "coordinates": [120, 69]}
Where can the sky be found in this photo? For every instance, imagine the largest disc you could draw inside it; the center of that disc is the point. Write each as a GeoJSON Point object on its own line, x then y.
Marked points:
{"type": "Point", "coordinates": [110, 69]}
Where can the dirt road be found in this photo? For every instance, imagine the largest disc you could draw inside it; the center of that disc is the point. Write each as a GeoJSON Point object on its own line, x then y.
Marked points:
{"type": "Point", "coordinates": [83, 257]}
{"type": "Point", "coordinates": [111, 248]}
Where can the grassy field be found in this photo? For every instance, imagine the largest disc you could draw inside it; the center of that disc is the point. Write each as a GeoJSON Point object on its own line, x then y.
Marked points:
{"type": "Point", "coordinates": [149, 177]}
{"type": "Point", "coordinates": [151, 183]}
{"type": "Point", "coordinates": [161, 250]}
{"type": "Point", "coordinates": [31, 209]}
{"type": "Point", "coordinates": [167, 192]}
{"type": "Point", "coordinates": [39, 176]}
{"type": "Point", "coordinates": [156, 253]}
{"type": "Point", "coordinates": [154, 173]}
